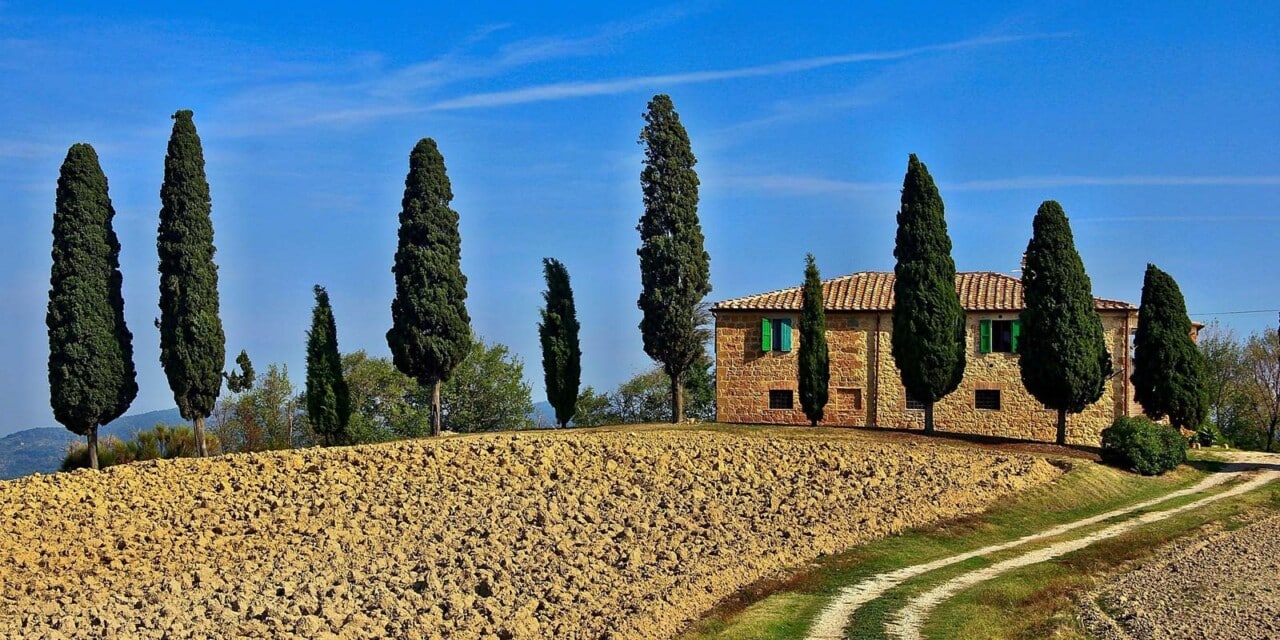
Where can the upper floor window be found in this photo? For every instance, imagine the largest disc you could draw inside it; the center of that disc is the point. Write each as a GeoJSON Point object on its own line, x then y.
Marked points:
{"type": "Point", "coordinates": [998, 336]}
{"type": "Point", "coordinates": [775, 334]}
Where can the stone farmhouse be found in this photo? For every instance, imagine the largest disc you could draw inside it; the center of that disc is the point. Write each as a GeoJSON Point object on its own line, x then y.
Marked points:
{"type": "Point", "coordinates": [757, 339]}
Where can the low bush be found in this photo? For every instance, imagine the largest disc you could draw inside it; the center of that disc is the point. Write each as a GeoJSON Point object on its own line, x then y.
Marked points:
{"type": "Point", "coordinates": [1143, 446]}
{"type": "Point", "coordinates": [1209, 435]}
{"type": "Point", "coordinates": [159, 443]}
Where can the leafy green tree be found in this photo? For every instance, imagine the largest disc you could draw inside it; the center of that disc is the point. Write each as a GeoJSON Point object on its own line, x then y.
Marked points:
{"type": "Point", "coordinates": [928, 321]}
{"type": "Point", "coordinates": [561, 352]}
{"type": "Point", "coordinates": [431, 333]}
{"type": "Point", "coordinates": [1260, 382]}
{"type": "Point", "coordinates": [328, 398]}
{"type": "Point", "coordinates": [1168, 370]}
{"type": "Point", "coordinates": [268, 415]}
{"type": "Point", "coordinates": [674, 267]}
{"type": "Point", "coordinates": [92, 379]}
{"type": "Point", "coordinates": [1063, 350]}
{"type": "Point", "coordinates": [192, 343]}
{"type": "Point", "coordinates": [385, 404]}
{"type": "Point", "coordinates": [814, 362]}
{"type": "Point", "coordinates": [593, 409]}
{"type": "Point", "coordinates": [487, 392]}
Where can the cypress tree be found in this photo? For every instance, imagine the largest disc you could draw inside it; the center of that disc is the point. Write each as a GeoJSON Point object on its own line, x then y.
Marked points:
{"type": "Point", "coordinates": [814, 363]}
{"type": "Point", "coordinates": [192, 344]}
{"type": "Point", "coordinates": [558, 331]}
{"type": "Point", "coordinates": [1168, 370]}
{"type": "Point", "coordinates": [431, 331]}
{"type": "Point", "coordinates": [675, 270]}
{"type": "Point", "coordinates": [1062, 348]}
{"type": "Point", "coordinates": [328, 397]}
{"type": "Point", "coordinates": [928, 321]}
{"type": "Point", "coordinates": [92, 379]}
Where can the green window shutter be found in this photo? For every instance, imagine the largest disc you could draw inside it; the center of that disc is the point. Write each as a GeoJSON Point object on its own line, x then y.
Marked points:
{"type": "Point", "coordinates": [984, 336]}
{"type": "Point", "coordinates": [766, 335]}
{"type": "Point", "coordinates": [1017, 331]}
{"type": "Point", "coordinates": [784, 326]}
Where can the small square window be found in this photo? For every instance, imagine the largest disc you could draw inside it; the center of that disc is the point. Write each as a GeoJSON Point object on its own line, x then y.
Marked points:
{"type": "Point", "coordinates": [914, 404]}
{"type": "Point", "coordinates": [781, 399]}
{"type": "Point", "coordinates": [987, 399]}
{"type": "Point", "coordinates": [850, 399]}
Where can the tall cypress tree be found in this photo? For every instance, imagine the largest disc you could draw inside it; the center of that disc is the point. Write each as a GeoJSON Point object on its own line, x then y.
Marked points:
{"type": "Point", "coordinates": [675, 270]}
{"type": "Point", "coordinates": [1168, 370]}
{"type": "Point", "coordinates": [928, 321]}
{"type": "Point", "coordinates": [431, 331]}
{"type": "Point", "coordinates": [328, 397]}
{"type": "Point", "coordinates": [1062, 348]}
{"type": "Point", "coordinates": [814, 362]}
{"type": "Point", "coordinates": [92, 379]}
{"type": "Point", "coordinates": [558, 332]}
{"type": "Point", "coordinates": [192, 344]}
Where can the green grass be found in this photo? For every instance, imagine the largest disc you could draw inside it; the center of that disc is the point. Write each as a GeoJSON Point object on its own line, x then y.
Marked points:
{"type": "Point", "coordinates": [1039, 601]}
{"type": "Point", "coordinates": [780, 609]}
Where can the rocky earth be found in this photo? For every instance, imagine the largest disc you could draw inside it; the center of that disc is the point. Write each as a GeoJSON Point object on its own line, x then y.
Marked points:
{"type": "Point", "coordinates": [1226, 585]}
{"type": "Point", "coordinates": [610, 534]}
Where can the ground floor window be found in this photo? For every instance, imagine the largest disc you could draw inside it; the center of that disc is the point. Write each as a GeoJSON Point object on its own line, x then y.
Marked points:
{"type": "Point", "coordinates": [781, 399]}
{"type": "Point", "coordinates": [913, 403]}
{"type": "Point", "coordinates": [849, 399]}
{"type": "Point", "coordinates": [987, 399]}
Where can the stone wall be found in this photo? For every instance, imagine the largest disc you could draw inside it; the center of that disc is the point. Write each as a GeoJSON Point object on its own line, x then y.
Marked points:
{"type": "Point", "coordinates": [863, 369]}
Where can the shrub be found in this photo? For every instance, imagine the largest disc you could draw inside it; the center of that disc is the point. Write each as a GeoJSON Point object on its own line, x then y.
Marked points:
{"type": "Point", "coordinates": [159, 443]}
{"type": "Point", "coordinates": [1209, 435]}
{"type": "Point", "coordinates": [1142, 445]}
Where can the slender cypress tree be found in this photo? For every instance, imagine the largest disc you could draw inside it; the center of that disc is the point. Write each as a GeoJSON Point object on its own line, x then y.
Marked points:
{"type": "Point", "coordinates": [92, 379]}
{"type": "Point", "coordinates": [1063, 350]}
{"type": "Point", "coordinates": [1168, 370]}
{"type": "Point", "coordinates": [328, 397]}
{"type": "Point", "coordinates": [814, 363]}
{"type": "Point", "coordinates": [192, 344]}
{"type": "Point", "coordinates": [431, 331]}
{"type": "Point", "coordinates": [928, 321]}
{"type": "Point", "coordinates": [558, 331]}
{"type": "Point", "coordinates": [675, 270]}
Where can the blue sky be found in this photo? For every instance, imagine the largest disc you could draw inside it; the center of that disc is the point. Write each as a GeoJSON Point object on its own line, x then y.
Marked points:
{"type": "Point", "coordinates": [1155, 129]}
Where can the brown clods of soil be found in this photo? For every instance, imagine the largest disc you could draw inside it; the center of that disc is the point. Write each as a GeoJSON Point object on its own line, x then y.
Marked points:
{"type": "Point", "coordinates": [606, 534]}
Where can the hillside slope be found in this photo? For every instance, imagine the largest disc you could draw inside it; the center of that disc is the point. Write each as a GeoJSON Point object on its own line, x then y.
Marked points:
{"type": "Point", "coordinates": [579, 534]}
{"type": "Point", "coordinates": [42, 449]}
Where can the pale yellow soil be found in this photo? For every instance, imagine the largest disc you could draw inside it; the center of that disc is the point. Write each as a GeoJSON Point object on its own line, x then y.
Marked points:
{"type": "Point", "coordinates": [608, 534]}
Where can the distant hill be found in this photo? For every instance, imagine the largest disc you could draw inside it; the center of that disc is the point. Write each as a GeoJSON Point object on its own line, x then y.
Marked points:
{"type": "Point", "coordinates": [544, 415]}
{"type": "Point", "coordinates": [41, 450]}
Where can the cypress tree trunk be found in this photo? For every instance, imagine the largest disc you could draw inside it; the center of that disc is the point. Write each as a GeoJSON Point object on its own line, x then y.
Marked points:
{"type": "Point", "coordinates": [677, 399]}
{"type": "Point", "coordinates": [92, 447]}
{"type": "Point", "coordinates": [202, 448]}
{"type": "Point", "coordinates": [1062, 426]}
{"type": "Point", "coordinates": [435, 408]}
{"type": "Point", "coordinates": [928, 417]}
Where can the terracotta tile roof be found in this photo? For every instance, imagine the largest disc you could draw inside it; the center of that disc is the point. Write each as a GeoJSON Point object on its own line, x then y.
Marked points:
{"type": "Point", "coordinates": [873, 291]}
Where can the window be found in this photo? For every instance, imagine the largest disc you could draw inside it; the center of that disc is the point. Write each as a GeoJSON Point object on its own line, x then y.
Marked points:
{"type": "Point", "coordinates": [998, 336]}
{"type": "Point", "coordinates": [781, 399]}
{"type": "Point", "coordinates": [849, 399]}
{"type": "Point", "coordinates": [986, 399]}
{"type": "Point", "coordinates": [775, 334]}
{"type": "Point", "coordinates": [913, 404]}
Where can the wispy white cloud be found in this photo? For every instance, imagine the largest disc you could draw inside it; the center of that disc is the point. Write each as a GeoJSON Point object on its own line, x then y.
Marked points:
{"type": "Point", "coordinates": [24, 150]}
{"type": "Point", "coordinates": [566, 90]}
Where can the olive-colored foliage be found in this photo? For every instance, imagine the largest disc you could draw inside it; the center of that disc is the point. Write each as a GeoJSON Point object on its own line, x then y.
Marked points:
{"type": "Point", "coordinates": [928, 321]}
{"type": "Point", "coordinates": [1169, 376]}
{"type": "Point", "coordinates": [674, 267]}
{"type": "Point", "coordinates": [487, 392]}
{"type": "Point", "coordinates": [1139, 444]}
{"type": "Point", "coordinates": [328, 398]}
{"type": "Point", "coordinates": [646, 397]}
{"type": "Point", "coordinates": [270, 415]}
{"type": "Point", "coordinates": [385, 404]}
{"type": "Point", "coordinates": [1062, 348]}
{"type": "Point", "coordinates": [160, 443]}
{"type": "Point", "coordinates": [558, 333]}
{"type": "Point", "coordinates": [92, 379]}
{"type": "Point", "coordinates": [192, 343]}
{"type": "Point", "coordinates": [431, 330]}
{"type": "Point", "coordinates": [1243, 382]}
{"type": "Point", "coordinates": [814, 362]}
